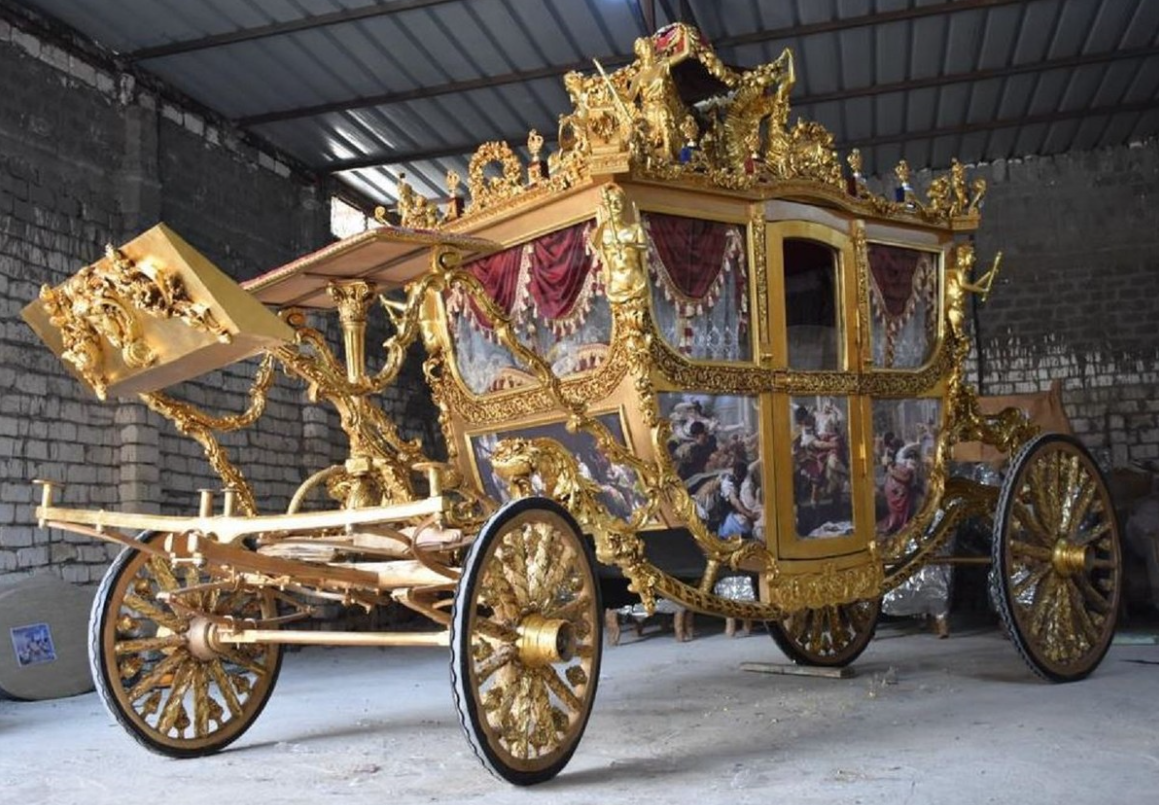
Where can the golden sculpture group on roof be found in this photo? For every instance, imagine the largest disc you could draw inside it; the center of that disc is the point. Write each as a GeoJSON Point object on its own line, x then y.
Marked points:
{"type": "Point", "coordinates": [640, 120]}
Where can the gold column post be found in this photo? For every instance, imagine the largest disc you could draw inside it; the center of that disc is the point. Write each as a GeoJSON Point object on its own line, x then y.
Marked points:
{"type": "Point", "coordinates": [353, 300]}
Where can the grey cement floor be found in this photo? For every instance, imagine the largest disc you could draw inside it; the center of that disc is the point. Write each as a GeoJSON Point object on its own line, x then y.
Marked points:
{"type": "Point", "coordinates": [924, 721]}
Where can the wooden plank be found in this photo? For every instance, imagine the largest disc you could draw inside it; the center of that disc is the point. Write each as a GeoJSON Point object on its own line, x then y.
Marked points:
{"type": "Point", "coordinates": [789, 669]}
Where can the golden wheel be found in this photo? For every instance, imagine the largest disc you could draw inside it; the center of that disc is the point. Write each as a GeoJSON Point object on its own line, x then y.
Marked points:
{"type": "Point", "coordinates": [831, 636]}
{"type": "Point", "coordinates": [154, 662]}
{"type": "Point", "coordinates": [526, 640]}
{"type": "Point", "coordinates": [1057, 570]}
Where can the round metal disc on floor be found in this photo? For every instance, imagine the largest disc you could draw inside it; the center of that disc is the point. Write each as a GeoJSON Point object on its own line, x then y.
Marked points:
{"type": "Point", "coordinates": [43, 639]}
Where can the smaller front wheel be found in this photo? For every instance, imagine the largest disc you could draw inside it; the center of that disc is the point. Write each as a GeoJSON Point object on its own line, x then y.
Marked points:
{"type": "Point", "coordinates": [831, 636]}
{"type": "Point", "coordinates": [526, 641]}
{"type": "Point", "coordinates": [152, 666]}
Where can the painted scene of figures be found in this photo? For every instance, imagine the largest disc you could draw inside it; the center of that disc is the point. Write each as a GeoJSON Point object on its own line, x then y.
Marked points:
{"type": "Point", "coordinates": [822, 492]}
{"type": "Point", "coordinates": [905, 436]}
{"type": "Point", "coordinates": [619, 488]}
{"type": "Point", "coordinates": [715, 448]}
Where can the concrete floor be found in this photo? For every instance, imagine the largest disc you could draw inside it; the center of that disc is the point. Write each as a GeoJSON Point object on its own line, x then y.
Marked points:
{"type": "Point", "coordinates": [924, 721]}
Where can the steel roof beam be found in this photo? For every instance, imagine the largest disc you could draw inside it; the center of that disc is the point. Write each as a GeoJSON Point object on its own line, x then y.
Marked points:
{"type": "Point", "coordinates": [405, 157]}
{"type": "Point", "coordinates": [613, 60]}
{"type": "Point", "coordinates": [879, 18]}
{"type": "Point", "coordinates": [280, 28]}
{"type": "Point", "coordinates": [910, 84]}
{"type": "Point", "coordinates": [1008, 123]}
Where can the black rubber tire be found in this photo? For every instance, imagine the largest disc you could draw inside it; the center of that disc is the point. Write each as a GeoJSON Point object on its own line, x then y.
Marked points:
{"type": "Point", "coordinates": [1003, 567]}
{"type": "Point", "coordinates": [467, 700]}
{"type": "Point", "coordinates": [802, 655]}
{"type": "Point", "coordinates": [129, 561]}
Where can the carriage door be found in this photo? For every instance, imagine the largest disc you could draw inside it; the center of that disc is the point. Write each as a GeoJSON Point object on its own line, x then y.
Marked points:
{"type": "Point", "coordinates": [819, 424]}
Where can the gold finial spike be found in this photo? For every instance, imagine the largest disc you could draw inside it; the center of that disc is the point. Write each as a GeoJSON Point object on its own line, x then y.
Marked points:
{"type": "Point", "coordinates": [535, 167]}
{"type": "Point", "coordinates": [534, 144]}
{"type": "Point", "coordinates": [854, 160]}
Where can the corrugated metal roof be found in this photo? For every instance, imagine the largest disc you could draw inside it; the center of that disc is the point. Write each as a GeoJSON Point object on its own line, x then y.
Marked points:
{"type": "Point", "coordinates": [374, 89]}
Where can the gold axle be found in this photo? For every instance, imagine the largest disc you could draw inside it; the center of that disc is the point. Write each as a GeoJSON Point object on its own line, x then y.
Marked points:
{"type": "Point", "coordinates": [219, 636]}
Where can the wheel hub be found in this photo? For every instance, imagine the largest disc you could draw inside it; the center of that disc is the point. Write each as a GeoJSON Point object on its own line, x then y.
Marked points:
{"type": "Point", "coordinates": [1067, 559]}
{"type": "Point", "coordinates": [543, 641]}
{"type": "Point", "coordinates": [202, 637]}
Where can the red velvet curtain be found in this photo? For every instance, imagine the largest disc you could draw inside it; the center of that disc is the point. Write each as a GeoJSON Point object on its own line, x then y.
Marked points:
{"type": "Point", "coordinates": [499, 274]}
{"type": "Point", "coordinates": [559, 268]}
{"type": "Point", "coordinates": [691, 249]}
{"type": "Point", "coordinates": [893, 273]}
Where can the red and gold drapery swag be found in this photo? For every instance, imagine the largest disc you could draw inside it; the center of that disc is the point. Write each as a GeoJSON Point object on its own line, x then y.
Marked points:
{"type": "Point", "coordinates": [690, 260]}
{"type": "Point", "coordinates": [549, 280]}
{"type": "Point", "coordinates": [553, 279]}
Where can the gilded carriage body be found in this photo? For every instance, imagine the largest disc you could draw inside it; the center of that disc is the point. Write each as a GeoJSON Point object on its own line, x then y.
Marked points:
{"type": "Point", "coordinates": [687, 323]}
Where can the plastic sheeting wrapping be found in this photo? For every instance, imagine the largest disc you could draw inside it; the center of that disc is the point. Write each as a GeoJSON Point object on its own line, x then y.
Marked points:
{"type": "Point", "coordinates": [928, 591]}
{"type": "Point", "coordinates": [735, 588]}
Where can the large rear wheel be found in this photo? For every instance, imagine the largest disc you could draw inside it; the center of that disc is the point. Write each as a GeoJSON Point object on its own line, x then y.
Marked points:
{"type": "Point", "coordinates": [526, 641]}
{"type": "Point", "coordinates": [1057, 561]}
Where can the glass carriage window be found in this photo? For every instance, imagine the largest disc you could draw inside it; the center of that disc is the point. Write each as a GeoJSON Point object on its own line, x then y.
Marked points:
{"type": "Point", "coordinates": [822, 491]}
{"type": "Point", "coordinates": [620, 489]}
{"type": "Point", "coordinates": [550, 288]}
{"type": "Point", "coordinates": [903, 300]}
{"type": "Point", "coordinates": [811, 304]}
{"type": "Point", "coordinates": [699, 276]}
{"type": "Point", "coordinates": [905, 438]}
{"type": "Point", "coordinates": [715, 450]}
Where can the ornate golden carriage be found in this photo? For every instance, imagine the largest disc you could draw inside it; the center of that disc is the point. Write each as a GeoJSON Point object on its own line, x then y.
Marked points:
{"type": "Point", "coordinates": [687, 322]}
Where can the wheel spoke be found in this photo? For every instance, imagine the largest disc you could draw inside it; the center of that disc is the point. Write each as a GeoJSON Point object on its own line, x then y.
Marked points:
{"type": "Point", "coordinates": [1033, 577]}
{"type": "Point", "coordinates": [1031, 523]}
{"type": "Point", "coordinates": [174, 707]}
{"type": "Point", "coordinates": [1079, 506]}
{"type": "Point", "coordinates": [1080, 615]}
{"type": "Point", "coordinates": [145, 644]}
{"type": "Point", "coordinates": [156, 677]}
{"type": "Point", "coordinates": [1089, 536]}
{"type": "Point", "coordinates": [560, 688]}
{"type": "Point", "coordinates": [486, 668]}
{"type": "Point", "coordinates": [1024, 551]}
{"type": "Point", "coordinates": [163, 573]}
{"type": "Point", "coordinates": [200, 701]}
{"type": "Point", "coordinates": [217, 671]}
{"type": "Point", "coordinates": [1101, 604]}
{"type": "Point", "coordinates": [166, 619]}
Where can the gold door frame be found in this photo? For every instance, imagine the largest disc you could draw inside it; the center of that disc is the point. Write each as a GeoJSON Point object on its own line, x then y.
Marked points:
{"type": "Point", "coordinates": [776, 406]}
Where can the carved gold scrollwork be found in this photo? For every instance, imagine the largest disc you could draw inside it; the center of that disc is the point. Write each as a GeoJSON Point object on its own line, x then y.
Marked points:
{"type": "Point", "coordinates": [106, 301]}
{"type": "Point", "coordinates": [487, 190]}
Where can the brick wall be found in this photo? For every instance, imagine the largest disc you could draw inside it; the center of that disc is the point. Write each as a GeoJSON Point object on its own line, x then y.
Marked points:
{"type": "Point", "coordinates": [1079, 290]}
{"type": "Point", "coordinates": [89, 156]}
